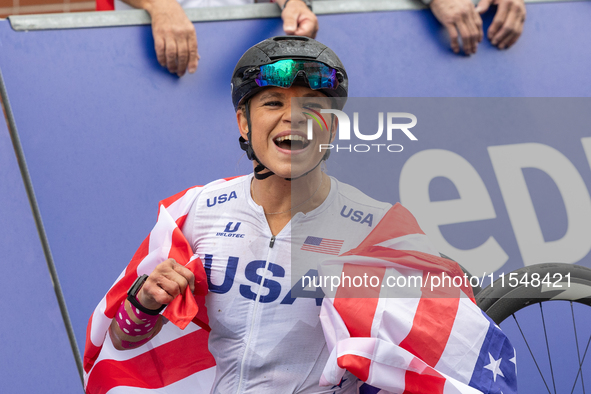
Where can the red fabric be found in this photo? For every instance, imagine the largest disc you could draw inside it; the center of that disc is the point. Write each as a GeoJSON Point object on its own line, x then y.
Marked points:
{"type": "Point", "coordinates": [361, 306]}
{"type": "Point", "coordinates": [428, 381]}
{"type": "Point", "coordinates": [105, 5]}
{"type": "Point", "coordinates": [431, 328]}
{"type": "Point", "coordinates": [157, 368]}
{"type": "Point", "coordinates": [115, 296]}
{"type": "Point", "coordinates": [182, 310]}
{"type": "Point", "coordinates": [357, 365]}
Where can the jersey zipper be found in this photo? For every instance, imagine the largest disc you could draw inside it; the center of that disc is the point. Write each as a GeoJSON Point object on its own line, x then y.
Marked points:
{"type": "Point", "coordinates": [254, 314]}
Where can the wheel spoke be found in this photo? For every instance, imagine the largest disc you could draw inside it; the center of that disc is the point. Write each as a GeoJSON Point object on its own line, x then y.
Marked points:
{"type": "Point", "coordinates": [548, 348]}
{"type": "Point", "coordinates": [581, 365]}
{"type": "Point", "coordinates": [572, 310]}
{"type": "Point", "coordinates": [531, 353]}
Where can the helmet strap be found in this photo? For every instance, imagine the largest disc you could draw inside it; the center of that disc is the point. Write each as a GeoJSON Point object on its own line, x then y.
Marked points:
{"type": "Point", "coordinates": [247, 147]}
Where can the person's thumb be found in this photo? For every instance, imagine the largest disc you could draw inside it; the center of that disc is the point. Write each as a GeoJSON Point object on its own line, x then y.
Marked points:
{"type": "Point", "coordinates": [483, 6]}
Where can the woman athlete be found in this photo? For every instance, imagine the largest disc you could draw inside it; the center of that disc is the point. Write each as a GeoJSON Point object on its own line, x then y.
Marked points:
{"type": "Point", "coordinates": [263, 338]}
{"type": "Point", "coordinates": [258, 237]}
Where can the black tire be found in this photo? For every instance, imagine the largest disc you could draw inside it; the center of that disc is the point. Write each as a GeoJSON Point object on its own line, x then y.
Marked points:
{"type": "Point", "coordinates": [500, 302]}
{"type": "Point", "coordinates": [553, 350]}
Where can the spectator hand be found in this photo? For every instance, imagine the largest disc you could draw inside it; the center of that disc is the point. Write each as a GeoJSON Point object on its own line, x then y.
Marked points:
{"type": "Point", "coordinates": [299, 20]}
{"type": "Point", "coordinates": [174, 37]}
{"type": "Point", "coordinates": [460, 16]}
{"type": "Point", "coordinates": [507, 24]}
{"type": "Point", "coordinates": [165, 283]}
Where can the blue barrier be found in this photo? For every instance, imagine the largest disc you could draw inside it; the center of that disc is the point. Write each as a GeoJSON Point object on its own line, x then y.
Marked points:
{"type": "Point", "coordinates": [36, 355]}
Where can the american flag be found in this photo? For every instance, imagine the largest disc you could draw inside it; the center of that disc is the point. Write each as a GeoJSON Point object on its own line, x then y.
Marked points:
{"type": "Point", "coordinates": [322, 245]}
{"type": "Point", "coordinates": [410, 340]}
{"type": "Point", "coordinates": [421, 345]}
{"type": "Point", "coordinates": [162, 365]}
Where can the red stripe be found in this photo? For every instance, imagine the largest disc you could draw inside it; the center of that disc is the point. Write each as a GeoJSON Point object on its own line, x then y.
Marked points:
{"type": "Point", "coordinates": [360, 308]}
{"type": "Point", "coordinates": [431, 327]}
{"type": "Point", "coordinates": [105, 5]}
{"type": "Point", "coordinates": [357, 365]}
{"type": "Point", "coordinates": [428, 381]}
{"type": "Point", "coordinates": [156, 368]}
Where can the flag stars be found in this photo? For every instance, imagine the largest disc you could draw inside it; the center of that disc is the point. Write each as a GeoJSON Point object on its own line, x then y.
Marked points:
{"type": "Point", "coordinates": [514, 358]}
{"type": "Point", "coordinates": [340, 385]}
{"type": "Point", "coordinates": [494, 367]}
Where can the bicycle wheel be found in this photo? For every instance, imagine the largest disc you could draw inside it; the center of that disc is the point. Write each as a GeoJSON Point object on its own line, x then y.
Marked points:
{"type": "Point", "coordinates": [552, 339]}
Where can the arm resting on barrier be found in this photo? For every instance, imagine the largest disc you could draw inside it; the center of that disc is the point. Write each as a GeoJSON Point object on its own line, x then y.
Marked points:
{"type": "Point", "coordinates": [175, 39]}
{"type": "Point", "coordinates": [298, 18]}
{"type": "Point", "coordinates": [507, 24]}
{"type": "Point", "coordinates": [462, 19]}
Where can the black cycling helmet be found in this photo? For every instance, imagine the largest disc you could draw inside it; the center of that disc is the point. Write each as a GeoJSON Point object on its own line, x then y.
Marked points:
{"type": "Point", "coordinates": [274, 49]}
{"type": "Point", "coordinates": [321, 70]}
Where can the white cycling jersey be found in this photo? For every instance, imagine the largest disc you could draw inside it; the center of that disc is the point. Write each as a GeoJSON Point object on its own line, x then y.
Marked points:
{"type": "Point", "coordinates": [266, 336]}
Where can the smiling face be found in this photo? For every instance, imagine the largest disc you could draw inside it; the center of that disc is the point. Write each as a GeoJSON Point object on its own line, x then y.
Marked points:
{"type": "Point", "coordinates": [279, 131]}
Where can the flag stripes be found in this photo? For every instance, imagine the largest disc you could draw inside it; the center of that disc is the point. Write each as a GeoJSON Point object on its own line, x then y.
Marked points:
{"type": "Point", "coordinates": [437, 343]}
{"type": "Point", "coordinates": [145, 372]}
{"type": "Point", "coordinates": [322, 245]}
{"type": "Point", "coordinates": [109, 369]}
{"type": "Point", "coordinates": [434, 341]}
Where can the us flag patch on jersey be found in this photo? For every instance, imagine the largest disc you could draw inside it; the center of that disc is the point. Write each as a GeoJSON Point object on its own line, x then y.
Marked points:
{"type": "Point", "coordinates": [322, 245]}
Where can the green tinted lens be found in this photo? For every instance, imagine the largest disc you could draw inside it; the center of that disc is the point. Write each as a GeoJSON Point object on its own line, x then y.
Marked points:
{"type": "Point", "coordinates": [283, 72]}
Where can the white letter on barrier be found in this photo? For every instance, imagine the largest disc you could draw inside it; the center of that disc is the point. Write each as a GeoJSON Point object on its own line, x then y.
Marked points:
{"type": "Point", "coordinates": [474, 204]}
{"type": "Point", "coordinates": [508, 162]}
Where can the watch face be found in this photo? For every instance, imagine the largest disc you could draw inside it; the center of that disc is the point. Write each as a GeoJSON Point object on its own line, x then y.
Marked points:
{"type": "Point", "coordinates": [137, 285]}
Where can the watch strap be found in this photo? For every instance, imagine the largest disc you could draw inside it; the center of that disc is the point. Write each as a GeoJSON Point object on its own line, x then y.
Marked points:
{"type": "Point", "coordinates": [132, 297]}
